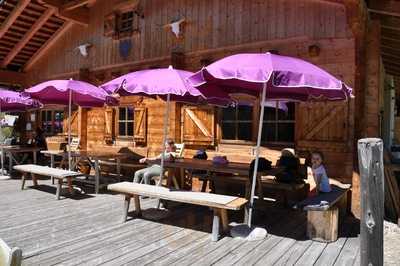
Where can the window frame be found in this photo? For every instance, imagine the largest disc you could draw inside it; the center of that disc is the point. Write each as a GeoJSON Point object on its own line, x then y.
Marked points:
{"type": "Point", "coordinates": [276, 122]}
{"type": "Point", "coordinates": [52, 120]}
{"type": "Point", "coordinates": [126, 121]}
{"type": "Point", "coordinates": [254, 126]}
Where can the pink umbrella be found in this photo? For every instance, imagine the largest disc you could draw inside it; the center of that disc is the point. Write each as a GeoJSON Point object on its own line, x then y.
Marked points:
{"type": "Point", "coordinates": [12, 101]}
{"type": "Point", "coordinates": [68, 92]}
{"type": "Point", "coordinates": [276, 77]}
{"type": "Point", "coordinates": [169, 84]}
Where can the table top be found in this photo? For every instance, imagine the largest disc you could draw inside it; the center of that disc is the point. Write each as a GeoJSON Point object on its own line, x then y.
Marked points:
{"type": "Point", "coordinates": [19, 148]}
{"type": "Point", "coordinates": [90, 154]}
{"type": "Point", "coordinates": [231, 167]}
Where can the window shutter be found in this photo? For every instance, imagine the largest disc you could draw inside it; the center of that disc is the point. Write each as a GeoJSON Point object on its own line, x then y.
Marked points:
{"type": "Point", "coordinates": [109, 122]}
{"type": "Point", "coordinates": [74, 122]}
{"type": "Point", "coordinates": [197, 125]}
{"type": "Point", "coordinates": [140, 124]}
{"type": "Point", "coordinates": [324, 125]}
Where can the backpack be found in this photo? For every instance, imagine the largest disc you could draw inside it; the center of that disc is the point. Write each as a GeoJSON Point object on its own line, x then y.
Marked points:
{"type": "Point", "coordinates": [263, 165]}
{"type": "Point", "coordinates": [200, 154]}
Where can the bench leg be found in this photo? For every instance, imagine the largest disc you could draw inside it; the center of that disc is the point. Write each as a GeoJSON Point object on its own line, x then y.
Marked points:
{"type": "Point", "coordinates": [127, 201]}
{"type": "Point", "coordinates": [59, 187]}
{"type": "Point", "coordinates": [24, 176]}
{"type": "Point", "coordinates": [224, 220]}
{"type": "Point", "coordinates": [138, 211]}
{"type": "Point", "coordinates": [34, 179]}
{"type": "Point", "coordinates": [215, 226]}
{"type": "Point", "coordinates": [70, 187]}
{"type": "Point", "coordinates": [323, 225]}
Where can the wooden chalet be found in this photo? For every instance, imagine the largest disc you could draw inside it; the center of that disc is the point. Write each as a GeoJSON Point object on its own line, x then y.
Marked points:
{"type": "Point", "coordinates": [357, 41]}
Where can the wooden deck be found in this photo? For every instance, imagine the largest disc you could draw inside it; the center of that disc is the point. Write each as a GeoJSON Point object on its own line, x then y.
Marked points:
{"type": "Point", "coordinates": [87, 230]}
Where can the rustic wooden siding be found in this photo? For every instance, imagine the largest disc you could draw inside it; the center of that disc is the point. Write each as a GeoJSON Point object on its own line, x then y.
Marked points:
{"type": "Point", "coordinates": [209, 24]}
{"type": "Point", "coordinates": [214, 29]}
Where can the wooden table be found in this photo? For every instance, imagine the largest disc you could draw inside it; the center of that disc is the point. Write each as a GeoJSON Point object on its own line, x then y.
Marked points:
{"type": "Point", "coordinates": [233, 168]}
{"type": "Point", "coordinates": [92, 157]}
{"type": "Point", "coordinates": [12, 150]}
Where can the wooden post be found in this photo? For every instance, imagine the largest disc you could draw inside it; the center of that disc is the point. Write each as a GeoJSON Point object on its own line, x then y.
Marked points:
{"type": "Point", "coordinates": [370, 158]}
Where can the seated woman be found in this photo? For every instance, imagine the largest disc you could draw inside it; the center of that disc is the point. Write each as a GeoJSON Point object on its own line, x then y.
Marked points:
{"type": "Point", "coordinates": [155, 170]}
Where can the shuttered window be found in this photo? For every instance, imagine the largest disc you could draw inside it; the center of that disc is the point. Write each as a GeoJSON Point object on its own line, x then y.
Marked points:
{"type": "Point", "coordinates": [126, 22]}
{"type": "Point", "coordinates": [125, 121]}
{"type": "Point", "coordinates": [279, 124]}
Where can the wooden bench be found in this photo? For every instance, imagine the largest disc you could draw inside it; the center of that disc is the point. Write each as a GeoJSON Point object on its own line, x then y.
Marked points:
{"type": "Point", "coordinates": [323, 212]}
{"type": "Point", "coordinates": [286, 189]}
{"type": "Point", "coordinates": [219, 203]}
{"type": "Point", "coordinates": [59, 174]}
{"type": "Point", "coordinates": [9, 256]}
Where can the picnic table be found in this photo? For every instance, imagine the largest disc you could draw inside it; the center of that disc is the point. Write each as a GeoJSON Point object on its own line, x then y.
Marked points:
{"type": "Point", "coordinates": [13, 150]}
{"type": "Point", "coordinates": [234, 168]}
{"type": "Point", "coordinates": [93, 158]}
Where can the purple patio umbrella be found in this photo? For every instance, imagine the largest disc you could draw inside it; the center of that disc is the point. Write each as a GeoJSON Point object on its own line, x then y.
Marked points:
{"type": "Point", "coordinates": [167, 83]}
{"type": "Point", "coordinates": [12, 101]}
{"type": "Point", "coordinates": [68, 92]}
{"type": "Point", "coordinates": [276, 77]}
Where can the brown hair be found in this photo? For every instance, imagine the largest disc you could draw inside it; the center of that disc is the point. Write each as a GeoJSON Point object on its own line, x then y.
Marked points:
{"type": "Point", "coordinates": [318, 153]}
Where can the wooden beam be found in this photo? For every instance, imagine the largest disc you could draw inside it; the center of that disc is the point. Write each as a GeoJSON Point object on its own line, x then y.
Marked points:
{"type": "Point", "coordinates": [79, 15]}
{"type": "Point", "coordinates": [385, 13]}
{"type": "Point", "coordinates": [75, 4]}
{"type": "Point", "coordinates": [390, 48]}
{"type": "Point", "coordinates": [35, 27]}
{"type": "Point", "coordinates": [13, 16]}
{"type": "Point", "coordinates": [47, 45]}
{"type": "Point", "coordinates": [12, 77]}
{"type": "Point", "coordinates": [390, 27]}
{"type": "Point", "coordinates": [51, 3]}
{"type": "Point", "coordinates": [384, 38]}
{"type": "Point", "coordinates": [390, 56]}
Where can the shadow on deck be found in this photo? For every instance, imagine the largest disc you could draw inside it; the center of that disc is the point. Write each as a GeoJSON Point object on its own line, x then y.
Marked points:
{"type": "Point", "coordinates": [90, 232]}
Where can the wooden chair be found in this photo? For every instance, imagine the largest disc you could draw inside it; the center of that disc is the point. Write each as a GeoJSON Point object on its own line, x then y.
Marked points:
{"type": "Point", "coordinates": [180, 147]}
{"type": "Point", "coordinates": [74, 146]}
{"type": "Point", "coordinates": [9, 256]}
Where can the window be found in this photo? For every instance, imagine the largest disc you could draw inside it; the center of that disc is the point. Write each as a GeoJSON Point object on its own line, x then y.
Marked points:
{"type": "Point", "coordinates": [125, 121]}
{"type": "Point", "coordinates": [236, 123]}
{"type": "Point", "coordinates": [126, 22]}
{"type": "Point", "coordinates": [52, 121]}
{"type": "Point", "coordinates": [279, 124]}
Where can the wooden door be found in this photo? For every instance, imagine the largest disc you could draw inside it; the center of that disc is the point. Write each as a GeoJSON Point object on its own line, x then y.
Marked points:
{"type": "Point", "coordinates": [327, 127]}
{"type": "Point", "coordinates": [197, 125]}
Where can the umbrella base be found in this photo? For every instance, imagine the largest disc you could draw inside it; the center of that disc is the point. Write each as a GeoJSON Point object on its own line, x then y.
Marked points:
{"type": "Point", "coordinates": [253, 233]}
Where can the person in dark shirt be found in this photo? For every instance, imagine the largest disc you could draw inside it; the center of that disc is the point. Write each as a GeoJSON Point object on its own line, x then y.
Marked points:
{"type": "Point", "coordinates": [291, 164]}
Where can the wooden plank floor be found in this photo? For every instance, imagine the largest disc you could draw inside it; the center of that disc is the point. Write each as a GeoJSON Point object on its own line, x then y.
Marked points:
{"type": "Point", "coordinates": [87, 230]}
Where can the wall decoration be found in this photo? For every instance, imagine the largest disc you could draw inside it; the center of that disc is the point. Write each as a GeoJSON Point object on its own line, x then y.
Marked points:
{"type": "Point", "coordinates": [125, 47]}
{"type": "Point", "coordinates": [176, 27]}
{"type": "Point", "coordinates": [83, 49]}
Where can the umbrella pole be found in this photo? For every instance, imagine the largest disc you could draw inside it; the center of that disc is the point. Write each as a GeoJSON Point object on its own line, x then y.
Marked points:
{"type": "Point", "coordinates": [254, 179]}
{"type": "Point", "coordinates": [2, 149]}
{"type": "Point", "coordinates": [165, 135]}
{"type": "Point", "coordinates": [69, 129]}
